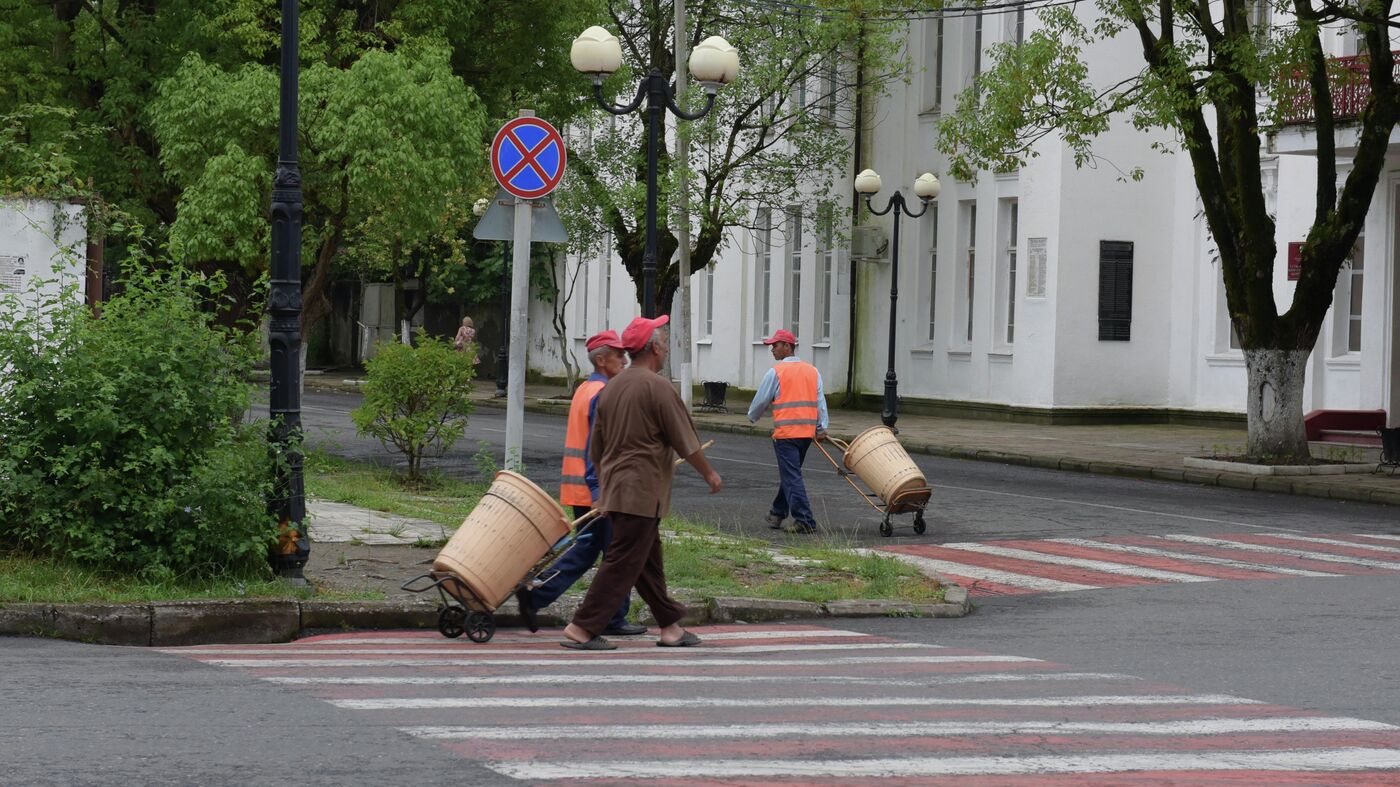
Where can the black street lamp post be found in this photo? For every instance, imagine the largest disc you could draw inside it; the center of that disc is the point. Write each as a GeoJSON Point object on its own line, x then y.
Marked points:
{"type": "Point", "coordinates": [926, 187]}
{"type": "Point", "coordinates": [288, 501]}
{"type": "Point", "coordinates": [503, 352]}
{"type": "Point", "coordinates": [714, 63]}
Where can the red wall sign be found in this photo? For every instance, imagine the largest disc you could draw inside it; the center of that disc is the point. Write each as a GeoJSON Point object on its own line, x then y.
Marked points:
{"type": "Point", "coordinates": [1295, 261]}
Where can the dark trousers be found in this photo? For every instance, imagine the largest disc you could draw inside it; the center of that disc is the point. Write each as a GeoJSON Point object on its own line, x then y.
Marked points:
{"type": "Point", "coordinates": [792, 492]}
{"type": "Point", "coordinates": [575, 562]}
{"type": "Point", "coordinates": [633, 559]}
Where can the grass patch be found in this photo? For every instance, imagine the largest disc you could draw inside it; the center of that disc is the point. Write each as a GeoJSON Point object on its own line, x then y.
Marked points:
{"type": "Point", "coordinates": [29, 578]}
{"type": "Point", "coordinates": [442, 500]}
{"type": "Point", "coordinates": [703, 561]}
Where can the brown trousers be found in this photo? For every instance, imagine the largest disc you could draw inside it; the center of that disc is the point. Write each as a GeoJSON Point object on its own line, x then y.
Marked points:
{"type": "Point", "coordinates": [632, 559]}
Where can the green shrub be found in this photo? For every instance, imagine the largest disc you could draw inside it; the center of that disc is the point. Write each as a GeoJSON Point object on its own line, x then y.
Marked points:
{"type": "Point", "coordinates": [120, 441]}
{"type": "Point", "coordinates": [416, 398]}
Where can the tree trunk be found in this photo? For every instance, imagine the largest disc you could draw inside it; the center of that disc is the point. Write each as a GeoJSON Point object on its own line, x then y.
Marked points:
{"type": "Point", "coordinates": [1275, 407]}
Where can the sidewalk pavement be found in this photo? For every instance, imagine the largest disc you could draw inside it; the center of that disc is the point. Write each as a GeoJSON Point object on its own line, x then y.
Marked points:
{"type": "Point", "coordinates": [1156, 451]}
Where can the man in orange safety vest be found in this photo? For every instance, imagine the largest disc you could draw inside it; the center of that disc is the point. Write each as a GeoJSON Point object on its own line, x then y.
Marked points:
{"type": "Point", "coordinates": [579, 488]}
{"type": "Point", "coordinates": [793, 389]}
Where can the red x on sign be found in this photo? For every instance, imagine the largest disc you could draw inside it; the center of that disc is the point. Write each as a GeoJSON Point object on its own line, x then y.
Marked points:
{"type": "Point", "coordinates": [527, 157]}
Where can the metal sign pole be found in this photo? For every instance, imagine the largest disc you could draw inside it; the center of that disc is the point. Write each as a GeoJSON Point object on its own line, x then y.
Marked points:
{"type": "Point", "coordinates": [519, 333]}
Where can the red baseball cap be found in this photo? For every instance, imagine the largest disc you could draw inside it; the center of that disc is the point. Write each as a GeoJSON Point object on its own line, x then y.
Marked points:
{"type": "Point", "coordinates": [781, 335]}
{"type": "Point", "coordinates": [639, 330]}
{"type": "Point", "coordinates": [604, 339]}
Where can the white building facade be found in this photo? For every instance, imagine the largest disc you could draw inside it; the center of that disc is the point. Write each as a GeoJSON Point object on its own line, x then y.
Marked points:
{"type": "Point", "coordinates": [1051, 293]}
{"type": "Point", "coordinates": [44, 248]}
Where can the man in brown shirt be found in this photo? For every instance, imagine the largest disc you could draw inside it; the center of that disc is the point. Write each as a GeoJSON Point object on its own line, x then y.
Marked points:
{"type": "Point", "coordinates": [639, 424]}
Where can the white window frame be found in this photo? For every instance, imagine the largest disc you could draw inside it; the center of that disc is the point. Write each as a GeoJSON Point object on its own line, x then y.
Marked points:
{"type": "Point", "coordinates": [931, 288]}
{"type": "Point", "coordinates": [826, 284]}
{"type": "Point", "coordinates": [792, 314]}
{"type": "Point", "coordinates": [763, 271]}
{"type": "Point", "coordinates": [967, 275]}
{"type": "Point", "coordinates": [707, 283]}
{"type": "Point", "coordinates": [1006, 272]}
{"type": "Point", "coordinates": [1347, 303]}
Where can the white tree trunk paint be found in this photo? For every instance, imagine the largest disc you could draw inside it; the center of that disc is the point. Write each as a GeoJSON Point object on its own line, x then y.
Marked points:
{"type": "Point", "coordinates": [1275, 403]}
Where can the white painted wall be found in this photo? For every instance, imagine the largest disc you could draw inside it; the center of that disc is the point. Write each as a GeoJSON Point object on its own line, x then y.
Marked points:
{"type": "Point", "coordinates": [43, 244]}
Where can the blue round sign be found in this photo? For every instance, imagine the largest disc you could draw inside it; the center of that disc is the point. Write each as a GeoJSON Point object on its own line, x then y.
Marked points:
{"type": "Point", "coordinates": [527, 157]}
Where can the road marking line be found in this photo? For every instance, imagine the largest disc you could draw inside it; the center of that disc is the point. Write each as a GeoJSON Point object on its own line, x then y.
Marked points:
{"type": "Point", "coordinates": [1187, 557]}
{"type": "Point", "coordinates": [1386, 537]}
{"type": "Point", "coordinates": [435, 639]}
{"type": "Point", "coordinates": [1113, 508]}
{"type": "Point", "coordinates": [581, 660]}
{"type": "Point", "coordinates": [989, 574]}
{"type": "Point", "coordinates": [1334, 542]}
{"type": "Point", "coordinates": [401, 703]}
{"type": "Point", "coordinates": [1347, 759]}
{"type": "Point", "coordinates": [903, 729]}
{"type": "Point", "coordinates": [1106, 567]}
{"type": "Point", "coordinates": [574, 678]}
{"type": "Point", "coordinates": [1310, 555]}
{"type": "Point", "coordinates": [443, 649]}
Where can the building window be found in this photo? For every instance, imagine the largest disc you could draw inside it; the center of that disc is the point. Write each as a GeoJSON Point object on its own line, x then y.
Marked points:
{"type": "Point", "coordinates": [1347, 300]}
{"type": "Point", "coordinates": [1019, 33]}
{"type": "Point", "coordinates": [969, 271]}
{"type": "Point", "coordinates": [932, 270]}
{"type": "Point", "coordinates": [607, 278]}
{"type": "Point", "coordinates": [1115, 290]}
{"type": "Point", "coordinates": [938, 63]}
{"type": "Point", "coordinates": [826, 258]}
{"type": "Point", "coordinates": [976, 48]}
{"type": "Point", "coordinates": [801, 97]}
{"type": "Point", "coordinates": [1009, 272]}
{"type": "Point", "coordinates": [829, 88]}
{"type": "Point", "coordinates": [582, 289]}
{"type": "Point", "coordinates": [709, 282]}
{"type": "Point", "coordinates": [764, 249]}
{"type": "Point", "coordinates": [794, 266]}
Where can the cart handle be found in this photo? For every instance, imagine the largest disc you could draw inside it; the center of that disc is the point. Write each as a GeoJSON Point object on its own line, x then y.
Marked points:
{"type": "Point", "coordinates": [707, 444]}
{"type": "Point", "coordinates": [592, 512]}
{"type": "Point", "coordinates": [844, 446]}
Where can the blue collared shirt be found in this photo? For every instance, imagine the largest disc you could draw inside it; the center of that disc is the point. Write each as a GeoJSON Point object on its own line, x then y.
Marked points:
{"type": "Point", "coordinates": [590, 473]}
{"type": "Point", "coordinates": [768, 391]}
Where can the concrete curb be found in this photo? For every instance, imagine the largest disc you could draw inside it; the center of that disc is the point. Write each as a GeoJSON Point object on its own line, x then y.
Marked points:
{"type": "Point", "coordinates": [255, 621]}
{"type": "Point", "coordinates": [1309, 486]}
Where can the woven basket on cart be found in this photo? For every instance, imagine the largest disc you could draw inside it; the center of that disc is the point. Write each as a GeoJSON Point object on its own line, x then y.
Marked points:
{"type": "Point", "coordinates": [877, 458]}
{"type": "Point", "coordinates": [509, 531]}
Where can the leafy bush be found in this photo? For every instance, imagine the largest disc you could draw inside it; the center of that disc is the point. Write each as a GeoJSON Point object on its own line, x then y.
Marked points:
{"type": "Point", "coordinates": [120, 441]}
{"type": "Point", "coordinates": [416, 398]}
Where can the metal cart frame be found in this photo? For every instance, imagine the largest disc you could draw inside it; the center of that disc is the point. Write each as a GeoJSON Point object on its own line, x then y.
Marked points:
{"type": "Point", "coordinates": [910, 500]}
{"type": "Point", "coordinates": [465, 612]}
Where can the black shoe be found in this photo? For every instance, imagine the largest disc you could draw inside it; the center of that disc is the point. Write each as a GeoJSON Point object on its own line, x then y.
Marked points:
{"type": "Point", "coordinates": [625, 630]}
{"type": "Point", "coordinates": [527, 609]}
{"type": "Point", "coordinates": [774, 522]}
{"type": "Point", "coordinates": [797, 527]}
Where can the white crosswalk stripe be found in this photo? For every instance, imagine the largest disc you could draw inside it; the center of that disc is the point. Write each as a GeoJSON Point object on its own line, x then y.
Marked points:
{"type": "Point", "coordinates": [1058, 565]}
{"type": "Point", "coordinates": [739, 708]}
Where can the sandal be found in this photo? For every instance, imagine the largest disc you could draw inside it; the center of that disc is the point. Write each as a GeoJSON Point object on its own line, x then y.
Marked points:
{"type": "Point", "coordinates": [597, 643]}
{"type": "Point", "coordinates": [687, 640]}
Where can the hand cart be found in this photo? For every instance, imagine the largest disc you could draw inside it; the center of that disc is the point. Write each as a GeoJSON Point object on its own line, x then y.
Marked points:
{"type": "Point", "coordinates": [464, 611]}
{"type": "Point", "coordinates": [907, 500]}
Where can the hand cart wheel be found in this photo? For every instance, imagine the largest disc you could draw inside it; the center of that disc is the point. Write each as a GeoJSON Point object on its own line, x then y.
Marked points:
{"type": "Point", "coordinates": [481, 627]}
{"type": "Point", "coordinates": [886, 529]}
{"type": "Point", "coordinates": [919, 526]}
{"type": "Point", "coordinates": [451, 621]}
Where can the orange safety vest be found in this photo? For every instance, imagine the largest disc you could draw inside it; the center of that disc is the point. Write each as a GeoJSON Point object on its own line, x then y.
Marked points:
{"type": "Point", "coordinates": [795, 409]}
{"type": "Point", "coordinates": [573, 488]}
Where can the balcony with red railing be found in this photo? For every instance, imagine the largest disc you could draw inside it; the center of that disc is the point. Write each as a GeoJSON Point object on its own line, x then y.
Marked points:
{"type": "Point", "coordinates": [1350, 89]}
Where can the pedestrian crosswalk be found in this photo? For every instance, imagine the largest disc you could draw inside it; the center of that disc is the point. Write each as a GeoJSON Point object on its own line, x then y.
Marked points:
{"type": "Point", "coordinates": [1057, 565]}
{"type": "Point", "coordinates": [791, 704]}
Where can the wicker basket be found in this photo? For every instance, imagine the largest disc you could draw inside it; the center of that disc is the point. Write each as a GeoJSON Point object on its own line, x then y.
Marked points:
{"type": "Point", "coordinates": [498, 544]}
{"type": "Point", "coordinates": [877, 458]}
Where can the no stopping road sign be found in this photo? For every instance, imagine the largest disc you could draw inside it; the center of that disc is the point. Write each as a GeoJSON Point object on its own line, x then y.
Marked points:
{"type": "Point", "coordinates": [527, 157]}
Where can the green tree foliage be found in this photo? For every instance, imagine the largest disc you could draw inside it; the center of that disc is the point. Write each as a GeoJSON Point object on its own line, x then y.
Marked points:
{"type": "Point", "coordinates": [389, 145]}
{"type": "Point", "coordinates": [120, 440]}
{"type": "Point", "coordinates": [417, 398]}
{"type": "Point", "coordinates": [1212, 81]}
{"type": "Point", "coordinates": [776, 136]}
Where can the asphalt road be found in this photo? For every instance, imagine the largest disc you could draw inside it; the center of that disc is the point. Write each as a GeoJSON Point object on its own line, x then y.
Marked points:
{"type": "Point", "coordinates": [80, 714]}
{"type": "Point", "coordinates": [972, 500]}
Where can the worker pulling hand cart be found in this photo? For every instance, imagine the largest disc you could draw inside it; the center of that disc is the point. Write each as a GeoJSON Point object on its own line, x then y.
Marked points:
{"type": "Point", "coordinates": [896, 485]}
